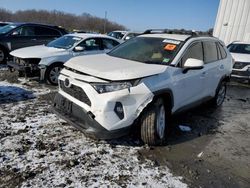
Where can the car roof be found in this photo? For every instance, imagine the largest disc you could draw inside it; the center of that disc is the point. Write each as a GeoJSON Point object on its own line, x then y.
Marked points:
{"type": "Point", "coordinates": [88, 35]}
{"type": "Point", "coordinates": [30, 23]}
{"type": "Point", "coordinates": [167, 36]}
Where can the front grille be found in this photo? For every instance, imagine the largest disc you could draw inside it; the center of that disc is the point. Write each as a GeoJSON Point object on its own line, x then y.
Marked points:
{"type": "Point", "coordinates": [240, 65]}
{"type": "Point", "coordinates": [75, 92]}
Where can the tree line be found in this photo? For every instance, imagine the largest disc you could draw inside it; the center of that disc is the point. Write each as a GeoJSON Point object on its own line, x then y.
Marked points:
{"type": "Point", "coordinates": [83, 22]}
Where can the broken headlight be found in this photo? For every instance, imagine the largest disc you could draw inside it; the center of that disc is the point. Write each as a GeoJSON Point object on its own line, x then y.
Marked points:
{"type": "Point", "coordinates": [109, 87]}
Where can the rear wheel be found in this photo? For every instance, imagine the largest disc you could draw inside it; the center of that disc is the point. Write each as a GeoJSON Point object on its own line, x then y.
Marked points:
{"type": "Point", "coordinates": [52, 73]}
{"type": "Point", "coordinates": [2, 56]}
{"type": "Point", "coordinates": [220, 94]}
{"type": "Point", "coordinates": [153, 123]}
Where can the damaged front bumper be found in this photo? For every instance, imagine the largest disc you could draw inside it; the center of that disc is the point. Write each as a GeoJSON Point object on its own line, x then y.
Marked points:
{"type": "Point", "coordinates": [83, 120]}
{"type": "Point", "coordinates": [25, 66]}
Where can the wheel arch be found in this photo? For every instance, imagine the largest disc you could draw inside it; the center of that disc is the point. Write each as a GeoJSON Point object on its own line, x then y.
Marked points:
{"type": "Point", "coordinates": [167, 96]}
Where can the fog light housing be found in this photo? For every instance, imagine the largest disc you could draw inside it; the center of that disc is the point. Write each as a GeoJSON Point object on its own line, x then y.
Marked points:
{"type": "Point", "coordinates": [119, 110]}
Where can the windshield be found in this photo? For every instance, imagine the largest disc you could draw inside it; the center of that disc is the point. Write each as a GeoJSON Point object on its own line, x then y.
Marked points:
{"type": "Point", "coordinates": [64, 42]}
{"type": "Point", "coordinates": [7, 28]}
{"type": "Point", "coordinates": [239, 48]}
{"type": "Point", "coordinates": [148, 50]}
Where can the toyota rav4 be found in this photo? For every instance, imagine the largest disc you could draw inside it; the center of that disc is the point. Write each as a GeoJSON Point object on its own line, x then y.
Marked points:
{"type": "Point", "coordinates": [142, 82]}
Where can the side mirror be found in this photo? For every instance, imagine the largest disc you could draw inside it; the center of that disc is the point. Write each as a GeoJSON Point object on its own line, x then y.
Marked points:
{"type": "Point", "coordinates": [127, 37]}
{"type": "Point", "coordinates": [193, 64]}
{"type": "Point", "coordinates": [15, 33]}
{"type": "Point", "coordinates": [79, 49]}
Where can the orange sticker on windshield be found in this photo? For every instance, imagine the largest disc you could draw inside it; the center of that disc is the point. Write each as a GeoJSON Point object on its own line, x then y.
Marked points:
{"type": "Point", "coordinates": [170, 47]}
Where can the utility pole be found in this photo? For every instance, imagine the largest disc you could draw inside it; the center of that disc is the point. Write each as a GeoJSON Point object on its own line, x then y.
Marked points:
{"type": "Point", "coordinates": [105, 22]}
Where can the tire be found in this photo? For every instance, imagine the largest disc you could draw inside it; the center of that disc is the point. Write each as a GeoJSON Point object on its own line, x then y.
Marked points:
{"type": "Point", "coordinates": [52, 73]}
{"type": "Point", "coordinates": [153, 123]}
{"type": "Point", "coordinates": [220, 94]}
{"type": "Point", "coordinates": [3, 56]}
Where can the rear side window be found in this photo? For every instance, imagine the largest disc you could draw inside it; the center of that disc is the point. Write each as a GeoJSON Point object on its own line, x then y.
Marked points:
{"type": "Point", "coordinates": [45, 31]}
{"type": "Point", "coordinates": [210, 51]}
{"type": "Point", "coordinates": [195, 52]}
{"type": "Point", "coordinates": [109, 44]}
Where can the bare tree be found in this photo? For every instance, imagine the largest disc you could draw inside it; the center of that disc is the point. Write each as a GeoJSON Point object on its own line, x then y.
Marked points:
{"type": "Point", "coordinates": [69, 21]}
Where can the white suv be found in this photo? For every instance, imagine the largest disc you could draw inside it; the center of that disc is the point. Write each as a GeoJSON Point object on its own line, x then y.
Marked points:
{"type": "Point", "coordinates": [241, 54]}
{"type": "Point", "coordinates": [142, 82]}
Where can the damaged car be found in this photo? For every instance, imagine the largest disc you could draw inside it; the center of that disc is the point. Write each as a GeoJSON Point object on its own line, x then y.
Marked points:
{"type": "Point", "coordinates": [140, 83]}
{"type": "Point", "coordinates": [241, 54]}
{"type": "Point", "coordinates": [47, 61]}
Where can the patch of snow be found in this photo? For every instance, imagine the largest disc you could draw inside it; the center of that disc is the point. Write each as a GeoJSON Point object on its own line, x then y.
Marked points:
{"type": "Point", "coordinates": [40, 150]}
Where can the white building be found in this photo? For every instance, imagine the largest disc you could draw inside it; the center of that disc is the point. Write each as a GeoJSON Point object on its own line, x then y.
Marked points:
{"type": "Point", "coordinates": [233, 21]}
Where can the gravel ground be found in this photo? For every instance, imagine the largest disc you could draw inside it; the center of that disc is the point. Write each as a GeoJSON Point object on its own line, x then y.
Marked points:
{"type": "Point", "coordinates": [39, 150]}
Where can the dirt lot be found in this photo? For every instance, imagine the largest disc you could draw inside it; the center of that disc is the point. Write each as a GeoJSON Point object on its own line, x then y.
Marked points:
{"type": "Point", "coordinates": [39, 150]}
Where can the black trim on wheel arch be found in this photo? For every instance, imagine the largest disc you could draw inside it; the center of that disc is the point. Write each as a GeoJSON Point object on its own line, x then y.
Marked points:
{"type": "Point", "coordinates": [164, 92]}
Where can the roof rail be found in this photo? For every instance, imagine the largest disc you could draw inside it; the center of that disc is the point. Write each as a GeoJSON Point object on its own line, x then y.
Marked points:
{"type": "Point", "coordinates": [176, 31]}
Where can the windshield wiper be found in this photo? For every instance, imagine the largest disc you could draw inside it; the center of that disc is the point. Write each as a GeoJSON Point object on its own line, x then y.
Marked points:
{"type": "Point", "coordinates": [154, 62]}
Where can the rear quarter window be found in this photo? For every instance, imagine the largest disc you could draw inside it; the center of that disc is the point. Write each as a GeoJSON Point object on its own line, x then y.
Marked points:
{"type": "Point", "coordinates": [45, 31]}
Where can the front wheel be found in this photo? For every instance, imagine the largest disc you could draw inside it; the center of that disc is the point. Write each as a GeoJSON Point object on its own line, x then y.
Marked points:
{"type": "Point", "coordinates": [52, 73]}
{"type": "Point", "coordinates": [153, 123]}
{"type": "Point", "coordinates": [220, 94]}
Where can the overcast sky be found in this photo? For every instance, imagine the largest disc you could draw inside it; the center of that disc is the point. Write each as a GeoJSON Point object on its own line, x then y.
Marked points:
{"type": "Point", "coordinates": [134, 14]}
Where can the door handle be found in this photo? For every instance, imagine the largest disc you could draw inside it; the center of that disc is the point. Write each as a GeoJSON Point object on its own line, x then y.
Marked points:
{"type": "Point", "coordinates": [33, 39]}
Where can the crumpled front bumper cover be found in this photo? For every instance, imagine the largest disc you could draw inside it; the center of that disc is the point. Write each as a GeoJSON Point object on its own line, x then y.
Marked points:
{"type": "Point", "coordinates": [84, 121]}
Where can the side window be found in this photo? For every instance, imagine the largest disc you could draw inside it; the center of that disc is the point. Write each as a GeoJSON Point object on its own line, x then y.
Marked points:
{"type": "Point", "coordinates": [25, 31]}
{"type": "Point", "coordinates": [45, 31]}
{"type": "Point", "coordinates": [195, 51]}
{"type": "Point", "coordinates": [108, 44]}
{"type": "Point", "coordinates": [222, 51]}
{"type": "Point", "coordinates": [91, 44]}
{"type": "Point", "coordinates": [210, 51]}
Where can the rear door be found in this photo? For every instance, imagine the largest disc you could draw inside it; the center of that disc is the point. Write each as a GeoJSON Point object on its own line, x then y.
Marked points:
{"type": "Point", "coordinates": [45, 34]}
{"type": "Point", "coordinates": [214, 66]}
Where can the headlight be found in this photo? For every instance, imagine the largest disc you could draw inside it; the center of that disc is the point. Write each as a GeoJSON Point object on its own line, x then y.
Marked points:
{"type": "Point", "coordinates": [109, 87]}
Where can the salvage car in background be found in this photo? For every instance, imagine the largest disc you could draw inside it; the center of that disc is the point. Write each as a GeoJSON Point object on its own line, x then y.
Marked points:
{"type": "Point", "coordinates": [19, 35]}
{"type": "Point", "coordinates": [47, 61]}
{"type": "Point", "coordinates": [4, 24]}
{"type": "Point", "coordinates": [123, 35]}
{"type": "Point", "coordinates": [143, 80]}
{"type": "Point", "coordinates": [241, 54]}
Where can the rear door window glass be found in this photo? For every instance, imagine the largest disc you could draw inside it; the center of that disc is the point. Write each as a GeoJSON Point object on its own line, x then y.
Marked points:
{"type": "Point", "coordinates": [109, 44]}
{"type": "Point", "coordinates": [210, 51]}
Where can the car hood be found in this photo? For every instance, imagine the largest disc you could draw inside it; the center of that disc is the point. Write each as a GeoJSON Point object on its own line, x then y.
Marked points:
{"type": "Point", "coordinates": [37, 52]}
{"type": "Point", "coordinates": [113, 68]}
{"type": "Point", "coordinates": [241, 57]}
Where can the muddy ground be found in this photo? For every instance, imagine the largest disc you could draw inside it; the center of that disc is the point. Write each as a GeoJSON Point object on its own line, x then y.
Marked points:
{"type": "Point", "coordinates": [39, 150]}
{"type": "Point", "coordinates": [216, 152]}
